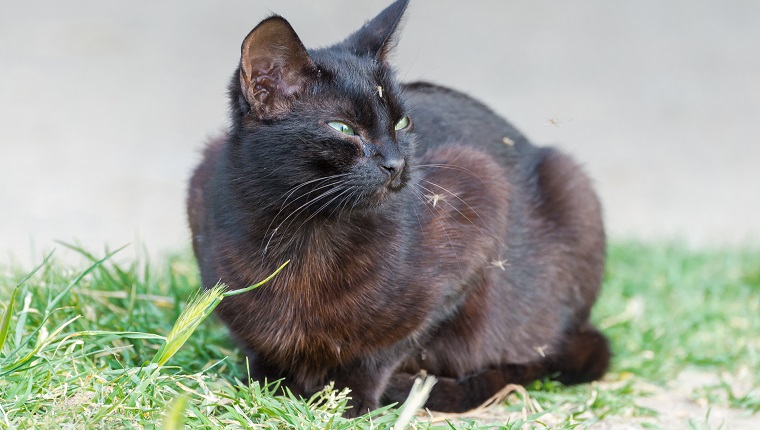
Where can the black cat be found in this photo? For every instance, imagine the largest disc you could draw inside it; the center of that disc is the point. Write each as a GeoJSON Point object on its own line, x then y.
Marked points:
{"type": "Point", "coordinates": [425, 232]}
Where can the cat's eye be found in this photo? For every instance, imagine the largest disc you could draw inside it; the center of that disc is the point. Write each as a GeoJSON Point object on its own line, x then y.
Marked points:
{"type": "Point", "coordinates": [402, 124]}
{"type": "Point", "coordinates": [342, 127]}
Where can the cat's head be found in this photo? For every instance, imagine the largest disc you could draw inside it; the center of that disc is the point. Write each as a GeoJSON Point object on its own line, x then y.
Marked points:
{"type": "Point", "coordinates": [326, 116]}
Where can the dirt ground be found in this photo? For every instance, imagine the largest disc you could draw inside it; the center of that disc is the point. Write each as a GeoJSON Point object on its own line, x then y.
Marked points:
{"type": "Point", "coordinates": [677, 406]}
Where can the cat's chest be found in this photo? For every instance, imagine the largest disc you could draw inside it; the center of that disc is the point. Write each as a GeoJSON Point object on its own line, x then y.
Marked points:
{"type": "Point", "coordinates": [328, 308]}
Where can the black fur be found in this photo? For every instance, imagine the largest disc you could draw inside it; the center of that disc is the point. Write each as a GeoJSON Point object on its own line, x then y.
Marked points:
{"type": "Point", "coordinates": [452, 245]}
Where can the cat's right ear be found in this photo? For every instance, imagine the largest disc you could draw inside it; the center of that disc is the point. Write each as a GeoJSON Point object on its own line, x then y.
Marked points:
{"type": "Point", "coordinates": [274, 67]}
{"type": "Point", "coordinates": [377, 37]}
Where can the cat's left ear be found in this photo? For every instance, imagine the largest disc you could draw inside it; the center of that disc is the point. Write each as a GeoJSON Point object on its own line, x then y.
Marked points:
{"type": "Point", "coordinates": [377, 37]}
{"type": "Point", "coordinates": [274, 67]}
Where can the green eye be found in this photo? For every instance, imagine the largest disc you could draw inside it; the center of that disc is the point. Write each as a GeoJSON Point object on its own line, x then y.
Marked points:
{"type": "Point", "coordinates": [341, 127]}
{"type": "Point", "coordinates": [402, 124]}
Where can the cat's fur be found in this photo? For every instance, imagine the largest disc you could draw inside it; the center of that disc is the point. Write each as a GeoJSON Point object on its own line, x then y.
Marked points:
{"type": "Point", "coordinates": [452, 246]}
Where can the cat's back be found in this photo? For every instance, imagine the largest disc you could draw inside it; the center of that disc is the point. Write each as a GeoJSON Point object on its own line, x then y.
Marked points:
{"type": "Point", "coordinates": [197, 199]}
{"type": "Point", "coordinates": [443, 116]}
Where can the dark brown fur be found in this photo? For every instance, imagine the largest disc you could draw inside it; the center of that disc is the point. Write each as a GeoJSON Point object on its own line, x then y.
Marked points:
{"type": "Point", "coordinates": [480, 268]}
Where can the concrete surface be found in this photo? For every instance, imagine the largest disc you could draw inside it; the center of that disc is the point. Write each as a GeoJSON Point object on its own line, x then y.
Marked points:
{"type": "Point", "coordinates": [105, 105]}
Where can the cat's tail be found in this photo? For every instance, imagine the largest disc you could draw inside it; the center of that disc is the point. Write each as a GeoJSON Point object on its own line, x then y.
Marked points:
{"type": "Point", "coordinates": [585, 358]}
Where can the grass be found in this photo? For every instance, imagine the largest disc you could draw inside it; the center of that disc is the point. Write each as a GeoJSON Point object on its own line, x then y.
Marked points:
{"type": "Point", "coordinates": [79, 348]}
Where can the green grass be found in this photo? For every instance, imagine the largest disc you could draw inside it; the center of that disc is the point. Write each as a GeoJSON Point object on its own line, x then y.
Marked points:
{"type": "Point", "coordinates": [79, 348]}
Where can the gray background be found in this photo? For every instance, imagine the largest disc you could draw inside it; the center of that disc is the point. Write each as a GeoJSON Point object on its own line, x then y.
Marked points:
{"type": "Point", "coordinates": [104, 106]}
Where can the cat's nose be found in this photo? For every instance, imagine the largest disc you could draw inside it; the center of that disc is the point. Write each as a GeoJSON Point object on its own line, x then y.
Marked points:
{"type": "Point", "coordinates": [393, 166]}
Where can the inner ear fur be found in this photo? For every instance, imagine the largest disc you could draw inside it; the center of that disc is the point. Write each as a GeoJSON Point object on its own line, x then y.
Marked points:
{"type": "Point", "coordinates": [274, 67]}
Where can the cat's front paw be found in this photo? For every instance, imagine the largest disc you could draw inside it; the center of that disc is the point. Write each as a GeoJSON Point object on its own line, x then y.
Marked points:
{"type": "Point", "coordinates": [398, 388]}
{"type": "Point", "coordinates": [358, 406]}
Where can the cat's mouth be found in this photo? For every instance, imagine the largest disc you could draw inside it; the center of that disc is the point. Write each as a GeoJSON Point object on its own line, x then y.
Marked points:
{"type": "Point", "coordinates": [396, 180]}
{"type": "Point", "coordinates": [375, 197]}
{"type": "Point", "coordinates": [387, 181]}
{"type": "Point", "coordinates": [398, 183]}
{"type": "Point", "coordinates": [397, 172]}
{"type": "Point", "coordinates": [392, 186]}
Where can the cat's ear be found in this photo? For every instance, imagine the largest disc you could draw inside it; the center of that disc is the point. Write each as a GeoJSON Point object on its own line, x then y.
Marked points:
{"type": "Point", "coordinates": [376, 38]}
{"type": "Point", "coordinates": [274, 67]}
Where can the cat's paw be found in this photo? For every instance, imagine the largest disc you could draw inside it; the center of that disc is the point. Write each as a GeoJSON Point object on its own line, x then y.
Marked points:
{"type": "Point", "coordinates": [398, 388]}
{"type": "Point", "coordinates": [358, 406]}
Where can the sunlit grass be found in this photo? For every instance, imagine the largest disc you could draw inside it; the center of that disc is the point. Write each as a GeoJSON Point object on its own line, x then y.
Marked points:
{"type": "Point", "coordinates": [119, 343]}
{"type": "Point", "coordinates": [198, 309]}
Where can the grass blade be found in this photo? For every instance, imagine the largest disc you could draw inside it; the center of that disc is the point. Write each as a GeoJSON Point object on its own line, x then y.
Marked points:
{"type": "Point", "coordinates": [199, 308]}
{"type": "Point", "coordinates": [36, 269]}
{"type": "Point", "coordinates": [257, 285]}
{"type": "Point", "coordinates": [5, 323]}
{"type": "Point", "coordinates": [175, 415]}
{"type": "Point", "coordinates": [53, 303]}
{"type": "Point", "coordinates": [118, 334]}
{"type": "Point", "coordinates": [417, 398]}
{"type": "Point", "coordinates": [43, 340]}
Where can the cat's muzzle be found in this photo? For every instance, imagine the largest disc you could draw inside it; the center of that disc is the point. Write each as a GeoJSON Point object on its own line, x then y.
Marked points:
{"type": "Point", "coordinates": [395, 168]}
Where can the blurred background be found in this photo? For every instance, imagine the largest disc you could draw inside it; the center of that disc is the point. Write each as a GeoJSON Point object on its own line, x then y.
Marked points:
{"type": "Point", "coordinates": [104, 106]}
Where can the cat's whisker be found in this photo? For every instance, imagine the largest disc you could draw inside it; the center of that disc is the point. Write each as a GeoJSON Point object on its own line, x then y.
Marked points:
{"type": "Point", "coordinates": [275, 170]}
{"type": "Point", "coordinates": [308, 194]}
{"type": "Point", "coordinates": [487, 227]}
{"type": "Point", "coordinates": [283, 206]}
{"type": "Point", "coordinates": [445, 230]}
{"type": "Point", "coordinates": [444, 216]}
{"type": "Point", "coordinates": [322, 207]}
{"type": "Point", "coordinates": [335, 188]}
{"type": "Point", "coordinates": [342, 205]}
{"type": "Point", "coordinates": [452, 167]}
{"type": "Point", "coordinates": [433, 198]}
{"type": "Point", "coordinates": [331, 188]}
{"type": "Point", "coordinates": [289, 193]}
{"type": "Point", "coordinates": [417, 214]}
{"type": "Point", "coordinates": [421, 76]}
{"type": "Point", "coordinates": [352, 199]}
{"type": "Point", "coordinates": [410, 66]}
{"type": "Point", "coordinates": [316, 212]}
